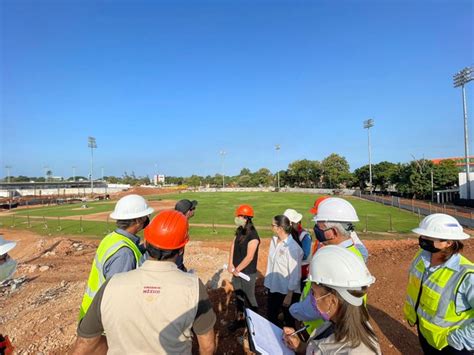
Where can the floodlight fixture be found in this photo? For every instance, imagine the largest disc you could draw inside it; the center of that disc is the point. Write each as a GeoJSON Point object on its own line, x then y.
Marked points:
{"type": "Point", "coordinates": [92, 145]}
{"type": "Point", "coordinates": [223, 153]}
{"type": "Point", "coordinates": [277, 149]}
{"type": "Point", "coordinates": [8, 167]}
{"type": "Point", "coordinates": [460, 79]}
{"type": "Point", "coordinates": [367, 125]}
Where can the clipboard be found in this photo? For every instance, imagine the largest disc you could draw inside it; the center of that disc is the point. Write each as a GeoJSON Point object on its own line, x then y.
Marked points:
{"type": "Point", "coordinates": [265, 338]}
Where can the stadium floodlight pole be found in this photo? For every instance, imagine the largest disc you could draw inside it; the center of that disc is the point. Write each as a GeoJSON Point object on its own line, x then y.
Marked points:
{"type": "Point", "coordinates": [102, 169]}
{"type": "Point", "coordinates": [367, 124]}
{"type": "Point", "coordinates": [74, 173]}
{"type": "Point", "coordinates": [460, 80]}
{"type": "Point", "coordinates": [92, 145]}
{"type": "Point", "coordinates": [277, 149]}
{"type": "Point", "coordinates": [8, 167]}
{"type": "Point", "coordinates": [46, 169]}
{"type": "Point", "coordinates": [223, 153]}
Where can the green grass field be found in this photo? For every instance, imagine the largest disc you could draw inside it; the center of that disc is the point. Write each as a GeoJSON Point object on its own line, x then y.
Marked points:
{"type": "Point", "coordinates": [213, 209]}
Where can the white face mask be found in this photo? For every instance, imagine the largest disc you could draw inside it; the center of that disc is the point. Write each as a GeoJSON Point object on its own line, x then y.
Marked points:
{"type": "Point", "coordinates": [7, 269]}
{"type": "Point", "coordinates": [240, 222]}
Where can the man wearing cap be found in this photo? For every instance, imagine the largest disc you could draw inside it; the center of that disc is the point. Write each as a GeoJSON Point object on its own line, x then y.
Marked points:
{"type": "Point", "coordinates": [120, 250]}
{"type": "Point", "coordinates": [155, 308]}
{"type": "Point", "coordinates": [187, 208]}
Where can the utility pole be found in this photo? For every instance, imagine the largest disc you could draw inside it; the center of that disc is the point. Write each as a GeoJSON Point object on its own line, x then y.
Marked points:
{"type": "Point", "coordinates": [222, 153]}
{"type": "Point", "coordinates": [46, 169]}
{"type": "Point", "coordinates": [277, 149]}
{"type": "Point", "coordinates": [432, 186]}
{"type": "Point", "coordinates": [92, 145]}
{"type": "Point", "coordinates": [367, 125]}
{"type": "Point", "coordinates": [8, 167]}
{"type": "Point", "coordinates": [460, 80]}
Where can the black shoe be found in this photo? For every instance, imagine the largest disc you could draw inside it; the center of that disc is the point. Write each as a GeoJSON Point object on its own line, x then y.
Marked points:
{"type": "Point", "coordinates": [236, 324]}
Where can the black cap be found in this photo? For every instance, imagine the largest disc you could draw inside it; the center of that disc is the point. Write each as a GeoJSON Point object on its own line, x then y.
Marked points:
{"type": "Point", "coordinates": [184, 206]}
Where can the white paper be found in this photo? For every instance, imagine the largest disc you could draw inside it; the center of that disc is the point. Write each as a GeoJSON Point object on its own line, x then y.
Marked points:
{"type": "Point", "coordinates": [241, 274]}
{"type": "Point", "coordinates": [267, 337]}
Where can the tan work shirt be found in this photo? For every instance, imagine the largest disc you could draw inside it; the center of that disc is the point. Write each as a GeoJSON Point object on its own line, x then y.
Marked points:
{"type": "Point", "coordinates": [150, 309]}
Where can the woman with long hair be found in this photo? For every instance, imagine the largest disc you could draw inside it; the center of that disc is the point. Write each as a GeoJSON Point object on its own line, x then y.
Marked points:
{"type": "Point", "coordinates": [243, 259]}
{"type": "Point", "coordinates": [303, 238]}
{"type": "Point", "coordinates": [339, 282]}
{"type": "Point", "coordinates": [283, 275]}
{"type": "Point", "coordinates": [440, 292]}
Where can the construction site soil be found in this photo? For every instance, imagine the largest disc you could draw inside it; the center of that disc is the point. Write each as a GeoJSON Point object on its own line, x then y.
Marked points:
{"type": "Point", "coordinates": [39, 311]}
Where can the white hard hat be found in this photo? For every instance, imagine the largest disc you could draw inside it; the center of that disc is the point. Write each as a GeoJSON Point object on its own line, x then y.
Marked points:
{"type": "Point", "coordinates": [292, 215]}
{"type": "Point", "coordinates": [335, 209]}
{"type": "Point", "coordinates": [6, 246]}
{"type": "Point", "coordinates": [441, 226]}
{"type": "Point", "coordinates": [130, 207]}
{"type": "Point", "coordinates": [340, 269]}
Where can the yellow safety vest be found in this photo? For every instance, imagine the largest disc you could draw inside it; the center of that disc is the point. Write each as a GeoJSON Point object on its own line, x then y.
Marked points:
{"type": "Point", "coordinates": [107, 247]}
{"type": "Point", "coordinates": [315, 324]}
{"type": "Point", "coordinates": [431, 301]}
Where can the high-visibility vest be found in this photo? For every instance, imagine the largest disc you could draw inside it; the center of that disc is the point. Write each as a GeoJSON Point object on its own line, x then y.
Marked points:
{"type": "Point", "coordinates": [431, 301]}
{"type": "Point", "coordinates": [107, 247]}
{"type": "Point", "coordinates": [314, 324]}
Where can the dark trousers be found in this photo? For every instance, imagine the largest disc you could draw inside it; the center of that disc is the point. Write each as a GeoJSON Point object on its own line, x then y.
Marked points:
{"type": "Point", "coordinates": [275, 305]}
{"type": "Point", "coordinates": [448, 350]}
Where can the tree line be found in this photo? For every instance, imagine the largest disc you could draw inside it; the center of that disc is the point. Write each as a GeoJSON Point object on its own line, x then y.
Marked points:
{"type": "Point", "coordinates": [412, 179]}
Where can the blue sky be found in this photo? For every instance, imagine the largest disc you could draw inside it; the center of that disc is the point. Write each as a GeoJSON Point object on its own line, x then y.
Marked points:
{"type": "Point", "coordinates": [173, 83]}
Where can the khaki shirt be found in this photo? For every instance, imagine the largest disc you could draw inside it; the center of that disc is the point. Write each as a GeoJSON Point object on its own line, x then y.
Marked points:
{"type": "Point", "coordinates": [150, 310]}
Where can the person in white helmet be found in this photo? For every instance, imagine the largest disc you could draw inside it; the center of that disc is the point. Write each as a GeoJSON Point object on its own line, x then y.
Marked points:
{"type": "Point", "coordinates": [440, 292]}
{"type": "Point", "coordinates": [339, 280]}
{"type": "Point", "coordinates": [303, 238]}
{"type": "Point", "coordinates": [119, 251]}
{"type": "Point", "coordinates": [7, 264]}
{"type": "Point", "coordinates": [334, 226]}
{"type": "Point", "coordinates": [7, 269]}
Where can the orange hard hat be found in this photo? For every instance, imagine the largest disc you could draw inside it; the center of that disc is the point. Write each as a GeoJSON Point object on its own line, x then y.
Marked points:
{"type": "Point", "coordinates": [244, 210]}
{"type": "Point", "coordinates": [168, 230]}
{"type": "Point", "coordinates": [314, 210]}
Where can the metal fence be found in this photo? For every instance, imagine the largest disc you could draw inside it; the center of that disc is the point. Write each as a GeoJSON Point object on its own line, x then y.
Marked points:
{"type": "Point", "coordinates": [422, 208]}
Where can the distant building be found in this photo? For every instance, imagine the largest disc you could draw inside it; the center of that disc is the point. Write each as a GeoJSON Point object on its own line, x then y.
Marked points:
{"type": "Point", "coordinates": [158, 179]}
{"type": "Point", "coordinates": [460, 162]}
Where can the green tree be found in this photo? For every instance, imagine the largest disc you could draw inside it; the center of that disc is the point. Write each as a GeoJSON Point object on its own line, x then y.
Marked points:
{"type": "Point", "coordinates": [262, 177]}
{"type": "Point", "coordinates": [304, 173]}
{"type": "Point", "coordinates": [336, 171]}
{"type": "Point", "coordinates": [193, 180]}
{"type": "Point", "coordinates": [445, 175]}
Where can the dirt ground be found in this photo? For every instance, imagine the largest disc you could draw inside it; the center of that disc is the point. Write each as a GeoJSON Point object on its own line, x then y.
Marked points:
{"type": "Point", "coordinates": [40, 314]}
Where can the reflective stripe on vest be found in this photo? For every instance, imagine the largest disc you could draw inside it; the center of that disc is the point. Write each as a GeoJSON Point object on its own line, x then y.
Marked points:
{"type": "Point", "coordinates": [315, 324]}
{"type": "Point", "coordinates": [108, 247]}
{"type": "Point", "coordinates": [435, 312]}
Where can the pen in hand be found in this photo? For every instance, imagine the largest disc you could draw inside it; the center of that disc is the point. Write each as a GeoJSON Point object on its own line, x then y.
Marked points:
{"type": "Point", "coordinates": [298, 331]}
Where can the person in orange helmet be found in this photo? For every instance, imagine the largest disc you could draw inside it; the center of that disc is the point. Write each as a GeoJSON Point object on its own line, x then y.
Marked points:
{"type": "Point", "coordinates": [314, 211]}
{"type": "Point", "coordinates": [243, 258]}
{"type": "Point", "coordinates": [152, 309]}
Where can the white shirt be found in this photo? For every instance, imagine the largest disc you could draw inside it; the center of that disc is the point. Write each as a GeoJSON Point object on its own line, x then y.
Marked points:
{"type": "Point", "coordinates": [284, 266]}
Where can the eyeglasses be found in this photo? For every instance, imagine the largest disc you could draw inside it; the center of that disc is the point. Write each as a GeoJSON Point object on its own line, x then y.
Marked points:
{"type": "Point", "coordinates": [318, 298]}
{"type": "Point", "coordinates": [274, 225]}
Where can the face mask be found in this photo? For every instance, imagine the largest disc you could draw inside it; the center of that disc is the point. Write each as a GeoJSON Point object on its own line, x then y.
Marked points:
{"type": "Point", "coordinates": [314, 302]}
{"type": "Point", "coordinates": [239, 222]}
{"type": "Point", "coordinates": [7, 269]}
{"type": "Point", "coordinates": [319, 233]}
{"type": "Point", "coordinates": [427, 245]}
{"type": "Point", "coordinates": [147, 222]}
